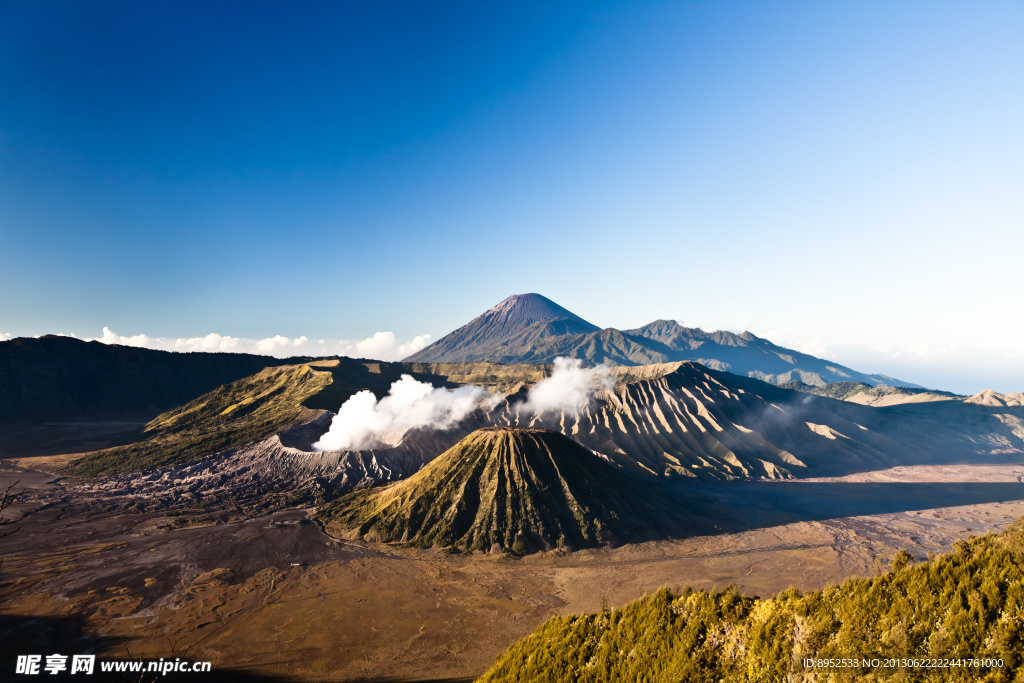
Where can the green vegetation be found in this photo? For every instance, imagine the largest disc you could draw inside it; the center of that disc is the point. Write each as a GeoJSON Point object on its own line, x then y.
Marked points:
{"type": "Point", "coordinates": [967, 604]}
{"type": "Point", "coordinates": [518, 489]}
{"type": "Point", "coordinates": [230, 416]}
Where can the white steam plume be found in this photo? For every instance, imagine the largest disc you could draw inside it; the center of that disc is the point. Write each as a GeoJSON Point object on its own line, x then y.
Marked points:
{"type": "Point", "coordinates": [570, 388]}
{"type": "Point", "coordinates": [362, 420]}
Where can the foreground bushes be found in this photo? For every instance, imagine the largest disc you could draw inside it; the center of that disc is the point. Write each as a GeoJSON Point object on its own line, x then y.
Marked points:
{"type": "Point", "coordinates": [961, 607]}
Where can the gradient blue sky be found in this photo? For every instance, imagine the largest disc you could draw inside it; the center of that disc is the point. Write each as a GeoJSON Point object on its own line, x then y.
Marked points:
{"type": "Point", "coordinates": [843, 177]}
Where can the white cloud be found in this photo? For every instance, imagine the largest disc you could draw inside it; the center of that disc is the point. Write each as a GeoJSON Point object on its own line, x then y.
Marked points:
{"type": "Point", "coordinates": [209, 343]}
{"type": "Point", "coordinates": [813, 348]}
{"type": "Point", "coordinates": [4, 336]}
{"type": "Point", "coordinates": [418, 342]}
{"type": "Point", "coordinates": [381, 346]}
{"type": "Point", "coordinates": [380, 342]}
{"type": "Point", "coordinates": [272, 345]}
{"type": "Point", "coordinates": [110, 338]}
{"type": "Point", "coordinates": [384, 346]}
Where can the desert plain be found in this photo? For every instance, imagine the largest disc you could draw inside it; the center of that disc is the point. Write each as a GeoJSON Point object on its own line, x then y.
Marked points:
{"type": "Point", "coordinates": [274, 597]}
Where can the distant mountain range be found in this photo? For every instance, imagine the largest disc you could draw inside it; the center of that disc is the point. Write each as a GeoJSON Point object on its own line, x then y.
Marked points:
{"type": "Point", "coordinates": [530, 328]}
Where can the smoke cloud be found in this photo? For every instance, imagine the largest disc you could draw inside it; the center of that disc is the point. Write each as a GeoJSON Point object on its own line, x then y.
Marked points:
{"type": "Point", "coordinates": [364, 422]}
{"type": "Point", "coordinates": [570, 388]}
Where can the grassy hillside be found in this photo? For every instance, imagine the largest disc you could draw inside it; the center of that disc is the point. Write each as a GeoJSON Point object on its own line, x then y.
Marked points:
{"type": "Point", "coordinates": [508, 489]}
{"type": "Point", "coordinates": [231, 415]}
{"type": "Point", "coordinates": [255, 407]}
{"type": "Point", "coordinates": [967, 604]}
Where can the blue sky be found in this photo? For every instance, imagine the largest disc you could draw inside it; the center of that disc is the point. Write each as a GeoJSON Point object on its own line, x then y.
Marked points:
{"type": "Point", "coordinates": [841, 177]}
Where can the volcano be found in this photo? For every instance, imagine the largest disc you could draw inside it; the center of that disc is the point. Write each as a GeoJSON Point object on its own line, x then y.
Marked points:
{"type": "Point", "coordinates": [507, 489]}
{"type": "Point", "coordinates": [529, 328]}
{"type": "Point", "coordinates": [519, 321]}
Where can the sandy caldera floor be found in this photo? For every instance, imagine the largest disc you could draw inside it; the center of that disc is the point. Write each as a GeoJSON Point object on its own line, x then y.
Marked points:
{"type": "Point", "coordinates": [289, 603]}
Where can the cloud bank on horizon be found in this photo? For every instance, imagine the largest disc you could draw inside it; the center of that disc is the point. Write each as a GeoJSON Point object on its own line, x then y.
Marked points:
{"type": "Point", "coordinates": [993, 363]}
{"type": "Point", "coordinates": [381, 346]}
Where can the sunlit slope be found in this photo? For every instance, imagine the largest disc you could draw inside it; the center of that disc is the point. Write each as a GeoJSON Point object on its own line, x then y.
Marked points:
{"type": "Point", "coordinates": [687, 420]}
{"type": "Point", "coordinates": [865, 394]}
{"type": "Point", "coordinates": [509, 489]}
{"type": "Point", "coordinates": [967, 604]}
{"type": "Point", "coordinates": [273, 401]}
{"type": "Point", "coordinates": [671, 424]}
{"type": "Point", "coordinates": [232, 415]}
{"type": "Point", "coordinates": [995, 399]}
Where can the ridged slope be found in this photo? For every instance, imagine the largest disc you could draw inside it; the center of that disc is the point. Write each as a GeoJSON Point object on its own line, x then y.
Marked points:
{"type": "Point", "coordinates": [507, 489]}
{"type": "Point", "coordinates": [692, 421]}
{"type": "Point", "coordinates": [673, 425]}
{"type": "Point", "coordinates": [609, 346]}
{"type": "Point", "coordinates": [750, 355]}
{"type": "Point", "coordinates": [520, 320]}
{"type": "Point", "coordinates": [995, 399]}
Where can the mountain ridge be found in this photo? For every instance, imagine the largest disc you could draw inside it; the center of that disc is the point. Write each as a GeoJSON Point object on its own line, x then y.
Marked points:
{"type": "Point", "coordinates": [53, 378]}
{"type": "Point", "coordinates": [519, 320]}
{"type": "Point", "coordinates": [548, 331]}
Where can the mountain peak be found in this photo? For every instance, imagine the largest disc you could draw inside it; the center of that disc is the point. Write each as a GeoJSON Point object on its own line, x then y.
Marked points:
{"type": "Point", "coordinates": [531, 308]}
{"type": "Point", "coordinates": [517, 322]}
{"type": "Point", "coordinates": [530, 328]}
{"type": "Point", "coordinates": [997, 400]}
